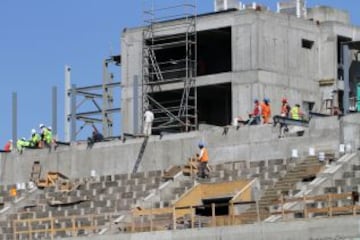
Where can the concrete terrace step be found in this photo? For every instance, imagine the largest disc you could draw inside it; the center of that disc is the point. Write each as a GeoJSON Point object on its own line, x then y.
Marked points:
{"type": "Point", "coordinates": [285, 184]}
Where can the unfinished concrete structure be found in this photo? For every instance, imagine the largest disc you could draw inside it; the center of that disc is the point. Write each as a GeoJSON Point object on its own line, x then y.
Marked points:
{"type": "Point", "coordinates": [250, 53]}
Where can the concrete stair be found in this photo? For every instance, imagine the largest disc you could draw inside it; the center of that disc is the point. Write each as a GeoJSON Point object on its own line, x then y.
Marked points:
{"type": "Point", "coordinates": [286, 185]}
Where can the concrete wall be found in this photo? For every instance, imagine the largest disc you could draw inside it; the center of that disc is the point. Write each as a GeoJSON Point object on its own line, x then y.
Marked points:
{"type": "Point", "coordinates": [248, 143]}
{"type": "Point", "coordinates": [314, 229]}
{"type": "Point", "coordinates": [324, 14]}
{"type": "Point", "coordinates": [351, 130]}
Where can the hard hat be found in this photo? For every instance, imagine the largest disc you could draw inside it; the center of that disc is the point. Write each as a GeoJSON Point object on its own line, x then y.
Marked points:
{"type": "Point", "coordinates": [201, 144]}
{"type": "Point", "coordinates": [33, 131]}
{"type": "Point", "coordinates": [49, 128]}
{"type": "Point", "coordinates": [284, 100]}
{"type": "Point", "coordinates": [266, 99]}
{"type": "Point", "coordinates": [41, 125]}
{"type": "Point", "coordinates": [23, 138]}
{"type": "Point", "coordinates": [10, 140]}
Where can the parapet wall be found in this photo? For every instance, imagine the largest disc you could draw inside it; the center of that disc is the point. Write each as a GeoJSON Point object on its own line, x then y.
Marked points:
{"type": "Point", "coordinates": [316, 229]}
{"type": "Point", "coordinates": [251, 143]}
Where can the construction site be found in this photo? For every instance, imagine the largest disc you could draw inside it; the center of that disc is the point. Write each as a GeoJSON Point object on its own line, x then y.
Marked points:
{"type": "Point", "coordinates": [199, 74]}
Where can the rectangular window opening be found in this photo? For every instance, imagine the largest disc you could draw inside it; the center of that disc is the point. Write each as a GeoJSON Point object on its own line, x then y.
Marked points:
{"type": "Point", "coordinates": [308, 44]}
{"type": "Point", "coordinates": [214, 51]}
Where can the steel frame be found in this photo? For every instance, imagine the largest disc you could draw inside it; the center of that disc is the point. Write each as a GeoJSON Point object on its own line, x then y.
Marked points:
{"type": "Point", "coordinates": [102, 101]}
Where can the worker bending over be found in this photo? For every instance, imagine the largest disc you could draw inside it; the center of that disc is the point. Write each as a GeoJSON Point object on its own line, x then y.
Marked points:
{"type": "Point", "coordinates": [21, 144]}
{"type": "Point", "coordinates": [95, 137]}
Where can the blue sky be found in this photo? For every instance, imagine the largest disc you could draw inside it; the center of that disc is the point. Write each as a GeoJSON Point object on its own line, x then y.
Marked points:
{"type": "Point", "coordinates": [38, 37]}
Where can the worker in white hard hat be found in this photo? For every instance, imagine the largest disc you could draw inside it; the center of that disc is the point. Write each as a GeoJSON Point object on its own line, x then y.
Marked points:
{"type": "Point", "coordinates": [47, 137]}
{"type": "Point", "coordinates": [21, 144]}
{"type": "Point", "coordinates": [35, 139]}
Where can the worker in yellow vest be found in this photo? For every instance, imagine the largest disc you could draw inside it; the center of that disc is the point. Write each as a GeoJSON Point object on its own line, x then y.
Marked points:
{"type": "Point", "coordinates": [296, 113]}
{"type": "Point", "coordinates": [21, 144]}
{"type": "Point", "coordinates": [46, 136]}
{"type": "Point", "coordinates": [35, 139]}
{"type": "Point", "coordinates": [203, 158]}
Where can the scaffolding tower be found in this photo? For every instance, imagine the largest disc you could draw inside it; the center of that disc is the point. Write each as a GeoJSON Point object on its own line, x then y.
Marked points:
{"type": "Point", "coordinates": [169, 58]}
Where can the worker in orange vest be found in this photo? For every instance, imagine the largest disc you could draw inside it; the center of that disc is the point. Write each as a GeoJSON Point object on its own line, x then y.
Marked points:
{"type": "Point", "coordinates": [285, 108]}
{"type": "Point", "coordinates": [266, 110]}
{"type": "Point", "coordinates": [203, 158]}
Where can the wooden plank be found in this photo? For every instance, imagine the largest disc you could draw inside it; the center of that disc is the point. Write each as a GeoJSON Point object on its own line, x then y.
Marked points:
{"type": "Point", "coordinates": [323, 197]}
{"type": "Point", "coordinates": [152, 211]}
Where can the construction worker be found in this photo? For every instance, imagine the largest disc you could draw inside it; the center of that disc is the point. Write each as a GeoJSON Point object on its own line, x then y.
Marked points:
{"type": "Point", "coordinates": [255, 114]}
{"type": "Point", "coordinates": [96, 137]}
{"type": "Point", "coordinates": [296, 113]}
{"type": "Point", "coordinates": [8, 146]}
{"type": "Point", "coordinates": [266, 110]}
{"type": "Point", "coordinates": [203, 158]}
{"type": "Point", "coordinates": [46, 135]}
{"type": "Point", "coordinates": [21, 144]}
{"type": "Point", "coordinates": [284, 112]}
{"type": "Point", "coordinates": [148, 120]}
{"type": "Point", "coordinates": [35, 139]}
{"type": "Point", "coordinates": [285, 108]}
{"type": "Point", "coordinates": [51, 139]}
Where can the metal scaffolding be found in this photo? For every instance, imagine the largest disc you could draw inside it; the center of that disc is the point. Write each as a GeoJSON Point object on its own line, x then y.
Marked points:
{"type": "Point", "coordinates": [169, 57]}
{"type": "Point", "coordinates": [95, 94]}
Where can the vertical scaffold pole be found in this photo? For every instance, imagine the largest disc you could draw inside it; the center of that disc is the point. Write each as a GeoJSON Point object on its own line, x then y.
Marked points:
{"type": "Point", "coordinates": [14, 119]}
{"type": "Point", "coordinates": [67, 104]}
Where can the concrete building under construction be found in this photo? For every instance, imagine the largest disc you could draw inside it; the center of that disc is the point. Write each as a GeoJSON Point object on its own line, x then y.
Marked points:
{"type": "Point", "coordinates": [198, 73]}
{"type": "Point", "coordinates": [240, 55]}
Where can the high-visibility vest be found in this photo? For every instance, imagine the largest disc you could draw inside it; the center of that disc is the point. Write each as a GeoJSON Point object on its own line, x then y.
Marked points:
{"type": "Point", "coordinates": [21, 143]}
{"type": "Point", "coordinates": [47, 135]}
{"type": "Point", "coordinates": [35, 139]}
{"type": "Point", "coordinates": [295, 113]}
{"type": "Point", "coordinates": [205, 156]}
{"type": "Point", "coordinates": [266, 112]}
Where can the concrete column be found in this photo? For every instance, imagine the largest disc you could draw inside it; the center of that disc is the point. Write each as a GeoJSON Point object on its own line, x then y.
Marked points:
{"type": "Point", "coordinates": [14, 119]}
{"type": "Point", "coordinates": [347, 63]}
{"type": "Point", "coordinates": [73, 113]}
{"type": "Point", "coordinates": [54, 112]}
{"type": "Point", "coordinates": [67, 103]}
{"type": "Point", "coordinates": [136, 104]}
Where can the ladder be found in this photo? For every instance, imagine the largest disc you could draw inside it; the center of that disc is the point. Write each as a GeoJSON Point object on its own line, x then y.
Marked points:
{"type": "Point", "coordinates": [155, 65]}
{"type": "Point", "coordinates": [141, 153]}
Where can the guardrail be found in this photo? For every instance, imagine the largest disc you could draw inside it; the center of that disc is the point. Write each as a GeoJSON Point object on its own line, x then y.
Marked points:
{"type": "Point", "coordinates": [51, 226]}
{"type": "Point", "coordinates": [328, 205]}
